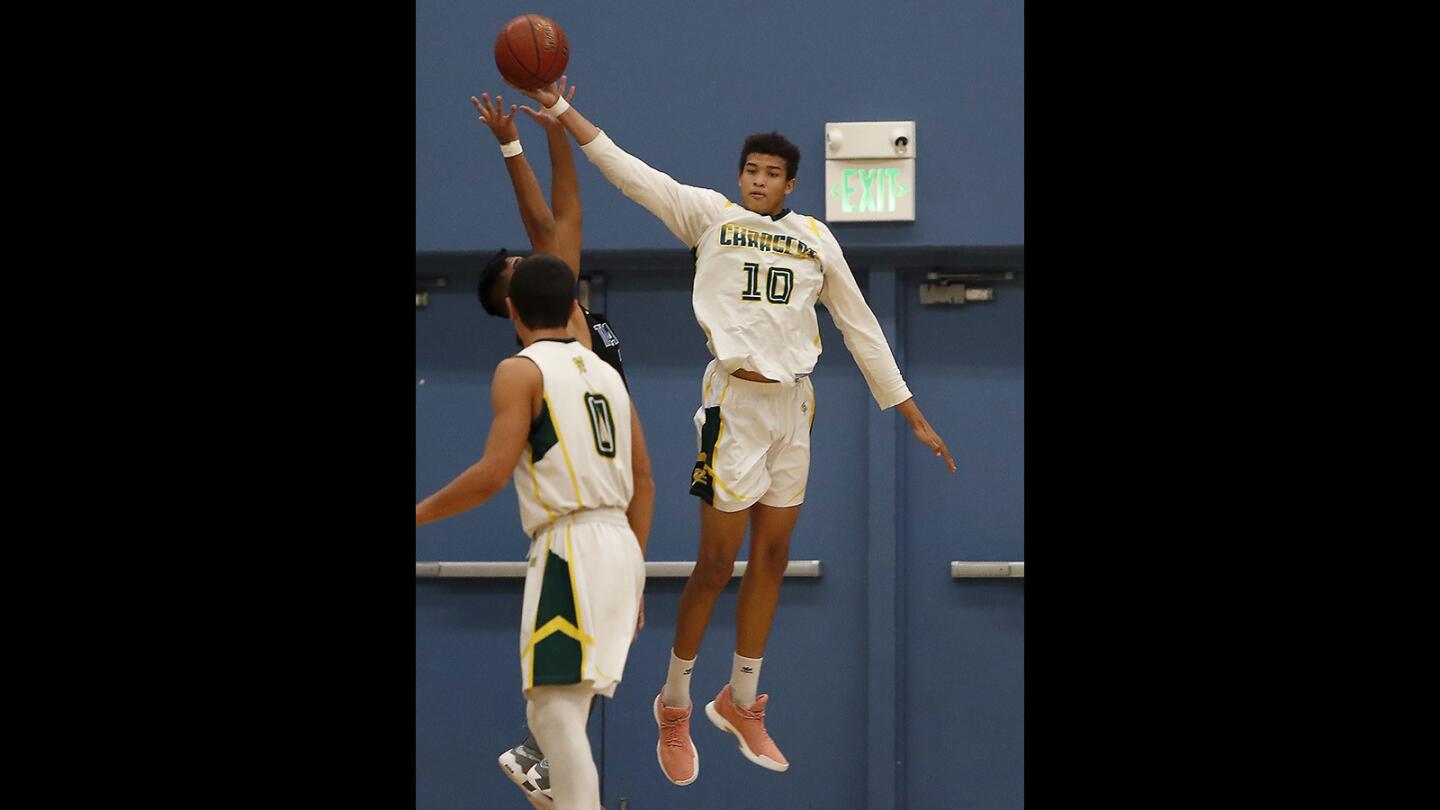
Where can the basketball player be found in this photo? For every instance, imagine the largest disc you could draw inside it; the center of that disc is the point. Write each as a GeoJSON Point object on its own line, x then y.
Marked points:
{"type": "Point", "coordinates": [557, 233]}
{"type": "Point", "coordinates": [564, 417]}
{"type": "Point", "coordinates": [759, 269]}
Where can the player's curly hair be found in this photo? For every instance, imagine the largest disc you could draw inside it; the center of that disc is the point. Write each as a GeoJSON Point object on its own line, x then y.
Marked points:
{"type": "Point", "coordinates": [772, 143]}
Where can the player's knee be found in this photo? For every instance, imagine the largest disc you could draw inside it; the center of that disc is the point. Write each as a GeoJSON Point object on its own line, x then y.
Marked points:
{"type": "Point", "coordinates": [770, 557]}
{"type": "Point", "coordinates": [712, 574]}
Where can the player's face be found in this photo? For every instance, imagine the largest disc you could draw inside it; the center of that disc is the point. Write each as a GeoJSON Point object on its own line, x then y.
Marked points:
{"type": "Point", "coordinates": [763, 185]}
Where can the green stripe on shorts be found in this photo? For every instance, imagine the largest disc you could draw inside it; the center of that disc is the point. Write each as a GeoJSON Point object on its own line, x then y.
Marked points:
{"type": "Point", "coordinates": [701, 484]}
{"type": "Point", "coordinates": [557, 656]}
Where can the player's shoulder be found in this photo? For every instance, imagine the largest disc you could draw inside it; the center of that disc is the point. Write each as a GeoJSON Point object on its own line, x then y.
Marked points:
{"type": "Point", "coordinates": [517, 376]}
{"type": "Point", "coordinates": [819, 225]}
{"type": "Point", "coordinates": [813, 225]}
{"type": "Point", "coordinates": [518, 366]}
{"type": "Point", "coordinates": [723, 205]}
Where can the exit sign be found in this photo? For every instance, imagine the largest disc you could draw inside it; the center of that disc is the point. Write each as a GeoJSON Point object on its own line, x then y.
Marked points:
{"type": "Point", "coordinates": [869, 190]}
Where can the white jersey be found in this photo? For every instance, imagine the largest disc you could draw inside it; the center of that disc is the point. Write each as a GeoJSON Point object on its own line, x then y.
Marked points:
{"type": "Point", "coordinates": [757, 279]}
{"type": "Point", "coordinates": [578, 456]}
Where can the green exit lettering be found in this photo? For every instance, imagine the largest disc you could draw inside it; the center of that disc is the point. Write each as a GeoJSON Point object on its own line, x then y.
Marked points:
{"type": "Point", "coordinates": [878, 190]}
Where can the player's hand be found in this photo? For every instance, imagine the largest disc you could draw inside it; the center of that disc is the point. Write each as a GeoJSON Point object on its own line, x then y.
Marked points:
{"type": "Point", "coordinates": [547, 95]}
{"type": "Point", "coordinates": [545, 119]}
{"type": "Point", "coordinates": [492, 115]}
{"type": "Point", "coordinates": [924, 433]}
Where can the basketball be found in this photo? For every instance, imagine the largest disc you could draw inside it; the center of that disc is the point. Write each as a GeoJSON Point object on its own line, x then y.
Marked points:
{"type": "Point", "coordinates": [531, 51]}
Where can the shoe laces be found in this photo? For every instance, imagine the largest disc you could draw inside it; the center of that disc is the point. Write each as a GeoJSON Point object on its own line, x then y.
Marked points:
{"type": "Point", "coordinates": [754, 714]}
{"type": "Point", "coordinates": [670, 732]}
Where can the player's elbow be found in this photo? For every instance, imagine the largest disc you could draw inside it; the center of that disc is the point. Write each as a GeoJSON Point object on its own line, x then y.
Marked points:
{"type": "Point", "coordinates": [543, 237]}
{"type": "Point", "coordinates": [486, 481]}
{"type": "Point", "coordinates": [644, 485]}
{"type": "Point", "coordinates": [640, 471]}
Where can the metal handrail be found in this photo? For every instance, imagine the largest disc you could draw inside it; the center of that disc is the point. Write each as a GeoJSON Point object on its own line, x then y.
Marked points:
{"type": "Point", "coordinates": [655, 568]}
{"type": "Point", "coordinates": [972, 569]}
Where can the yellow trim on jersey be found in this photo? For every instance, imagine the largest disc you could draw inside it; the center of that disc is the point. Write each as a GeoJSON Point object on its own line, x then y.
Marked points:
{"type": "Point", "coordinates": [812, 226]}
{"type": "Point", "coordinates": [564, 451]}
{"type": "Point", "coordinates": [726, 205]}
{"type": "Point", "coordinates": [575, 595]}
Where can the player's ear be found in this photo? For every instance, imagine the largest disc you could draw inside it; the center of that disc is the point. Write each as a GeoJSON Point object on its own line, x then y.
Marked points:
{"type": "Point", "coordinates": [790, 184]}
{"type": "Point", "coordinates": [510, 310]}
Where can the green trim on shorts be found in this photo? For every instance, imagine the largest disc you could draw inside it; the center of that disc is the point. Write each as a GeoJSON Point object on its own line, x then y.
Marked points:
{"type": "Point", "coordinates": [557, 656]}
{"type": "Point", "coordinates": [701, 483]}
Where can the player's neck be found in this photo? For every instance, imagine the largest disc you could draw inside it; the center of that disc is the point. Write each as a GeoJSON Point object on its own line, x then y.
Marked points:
{"type": "Point", "coordinates": [528, 336]}
{"type": "Point", "coordinates": [772, 212]}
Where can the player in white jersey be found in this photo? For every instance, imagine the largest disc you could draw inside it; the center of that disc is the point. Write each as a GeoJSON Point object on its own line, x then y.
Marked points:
{"type": "Point", "coordinates": [759, 270]}
{"type": "Point", "coordinates": [559, 233]}
{"type": "Point", "coordinates": [564, 426]}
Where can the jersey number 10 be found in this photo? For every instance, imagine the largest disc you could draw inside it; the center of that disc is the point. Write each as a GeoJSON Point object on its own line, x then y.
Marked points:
{"type": "Point", "coordinates": [782, 278]}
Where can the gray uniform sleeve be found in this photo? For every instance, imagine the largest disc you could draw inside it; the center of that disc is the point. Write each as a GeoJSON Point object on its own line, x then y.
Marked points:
{"type": "Point", "coordinates": [686, 210]}
{"type": "Point", "coordinates": [863, 337]}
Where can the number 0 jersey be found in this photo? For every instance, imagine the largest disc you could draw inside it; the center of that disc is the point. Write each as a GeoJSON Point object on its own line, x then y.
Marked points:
{"type": "Point", "coordinates": [578, 456]}
{"type": "Point", "coordinates": [757, 279]}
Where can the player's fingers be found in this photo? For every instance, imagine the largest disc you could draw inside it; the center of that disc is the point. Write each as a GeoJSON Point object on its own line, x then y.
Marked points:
{"type": "Point", "coordinates": [572, 94]}
{"type": "Point", "coordinates": [945, 452]}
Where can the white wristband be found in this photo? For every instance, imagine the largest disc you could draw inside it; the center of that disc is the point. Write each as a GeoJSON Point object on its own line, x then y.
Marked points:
{"type": "Point", "coordinates": [561, 105]}
{"type": "Point", "coordinates": [511, 149]}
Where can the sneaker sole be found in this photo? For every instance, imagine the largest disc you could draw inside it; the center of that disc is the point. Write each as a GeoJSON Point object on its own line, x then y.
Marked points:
{"type": "Point", "coordinates": [537, 799]}
{"type": "Point", "coordinates": [724, 725]}
{"type": "Point", "coordinates": [655, 710]}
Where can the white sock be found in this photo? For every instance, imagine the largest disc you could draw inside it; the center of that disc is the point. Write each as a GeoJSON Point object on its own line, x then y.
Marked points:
{"type": "Point", "coordinates": [744, 680]}
{"type": "Point", "coordinates": [557, 717]}
{"type": "Point", "coordinates": [676, 694]}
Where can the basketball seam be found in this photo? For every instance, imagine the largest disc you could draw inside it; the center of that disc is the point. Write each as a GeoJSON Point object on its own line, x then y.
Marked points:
{"type": "Point", "coordinates": [539, 57]}
{"type": "Point", "coordinates": [516, 57]}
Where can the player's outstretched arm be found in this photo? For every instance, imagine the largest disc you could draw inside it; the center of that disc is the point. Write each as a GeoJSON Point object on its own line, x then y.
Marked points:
{"type": "Point", "coordinates": [515, 394]}
{"type": "Point", "coordinates": [564, 184]}
{"type": "Point", "coordinates": [923, 432]}
{"type": "Point", "coordinates": [539, 222]}
{"type": "Point", "coordinates": [578, 125]}
{"type": "Point", "coordinates": [686, 210]}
